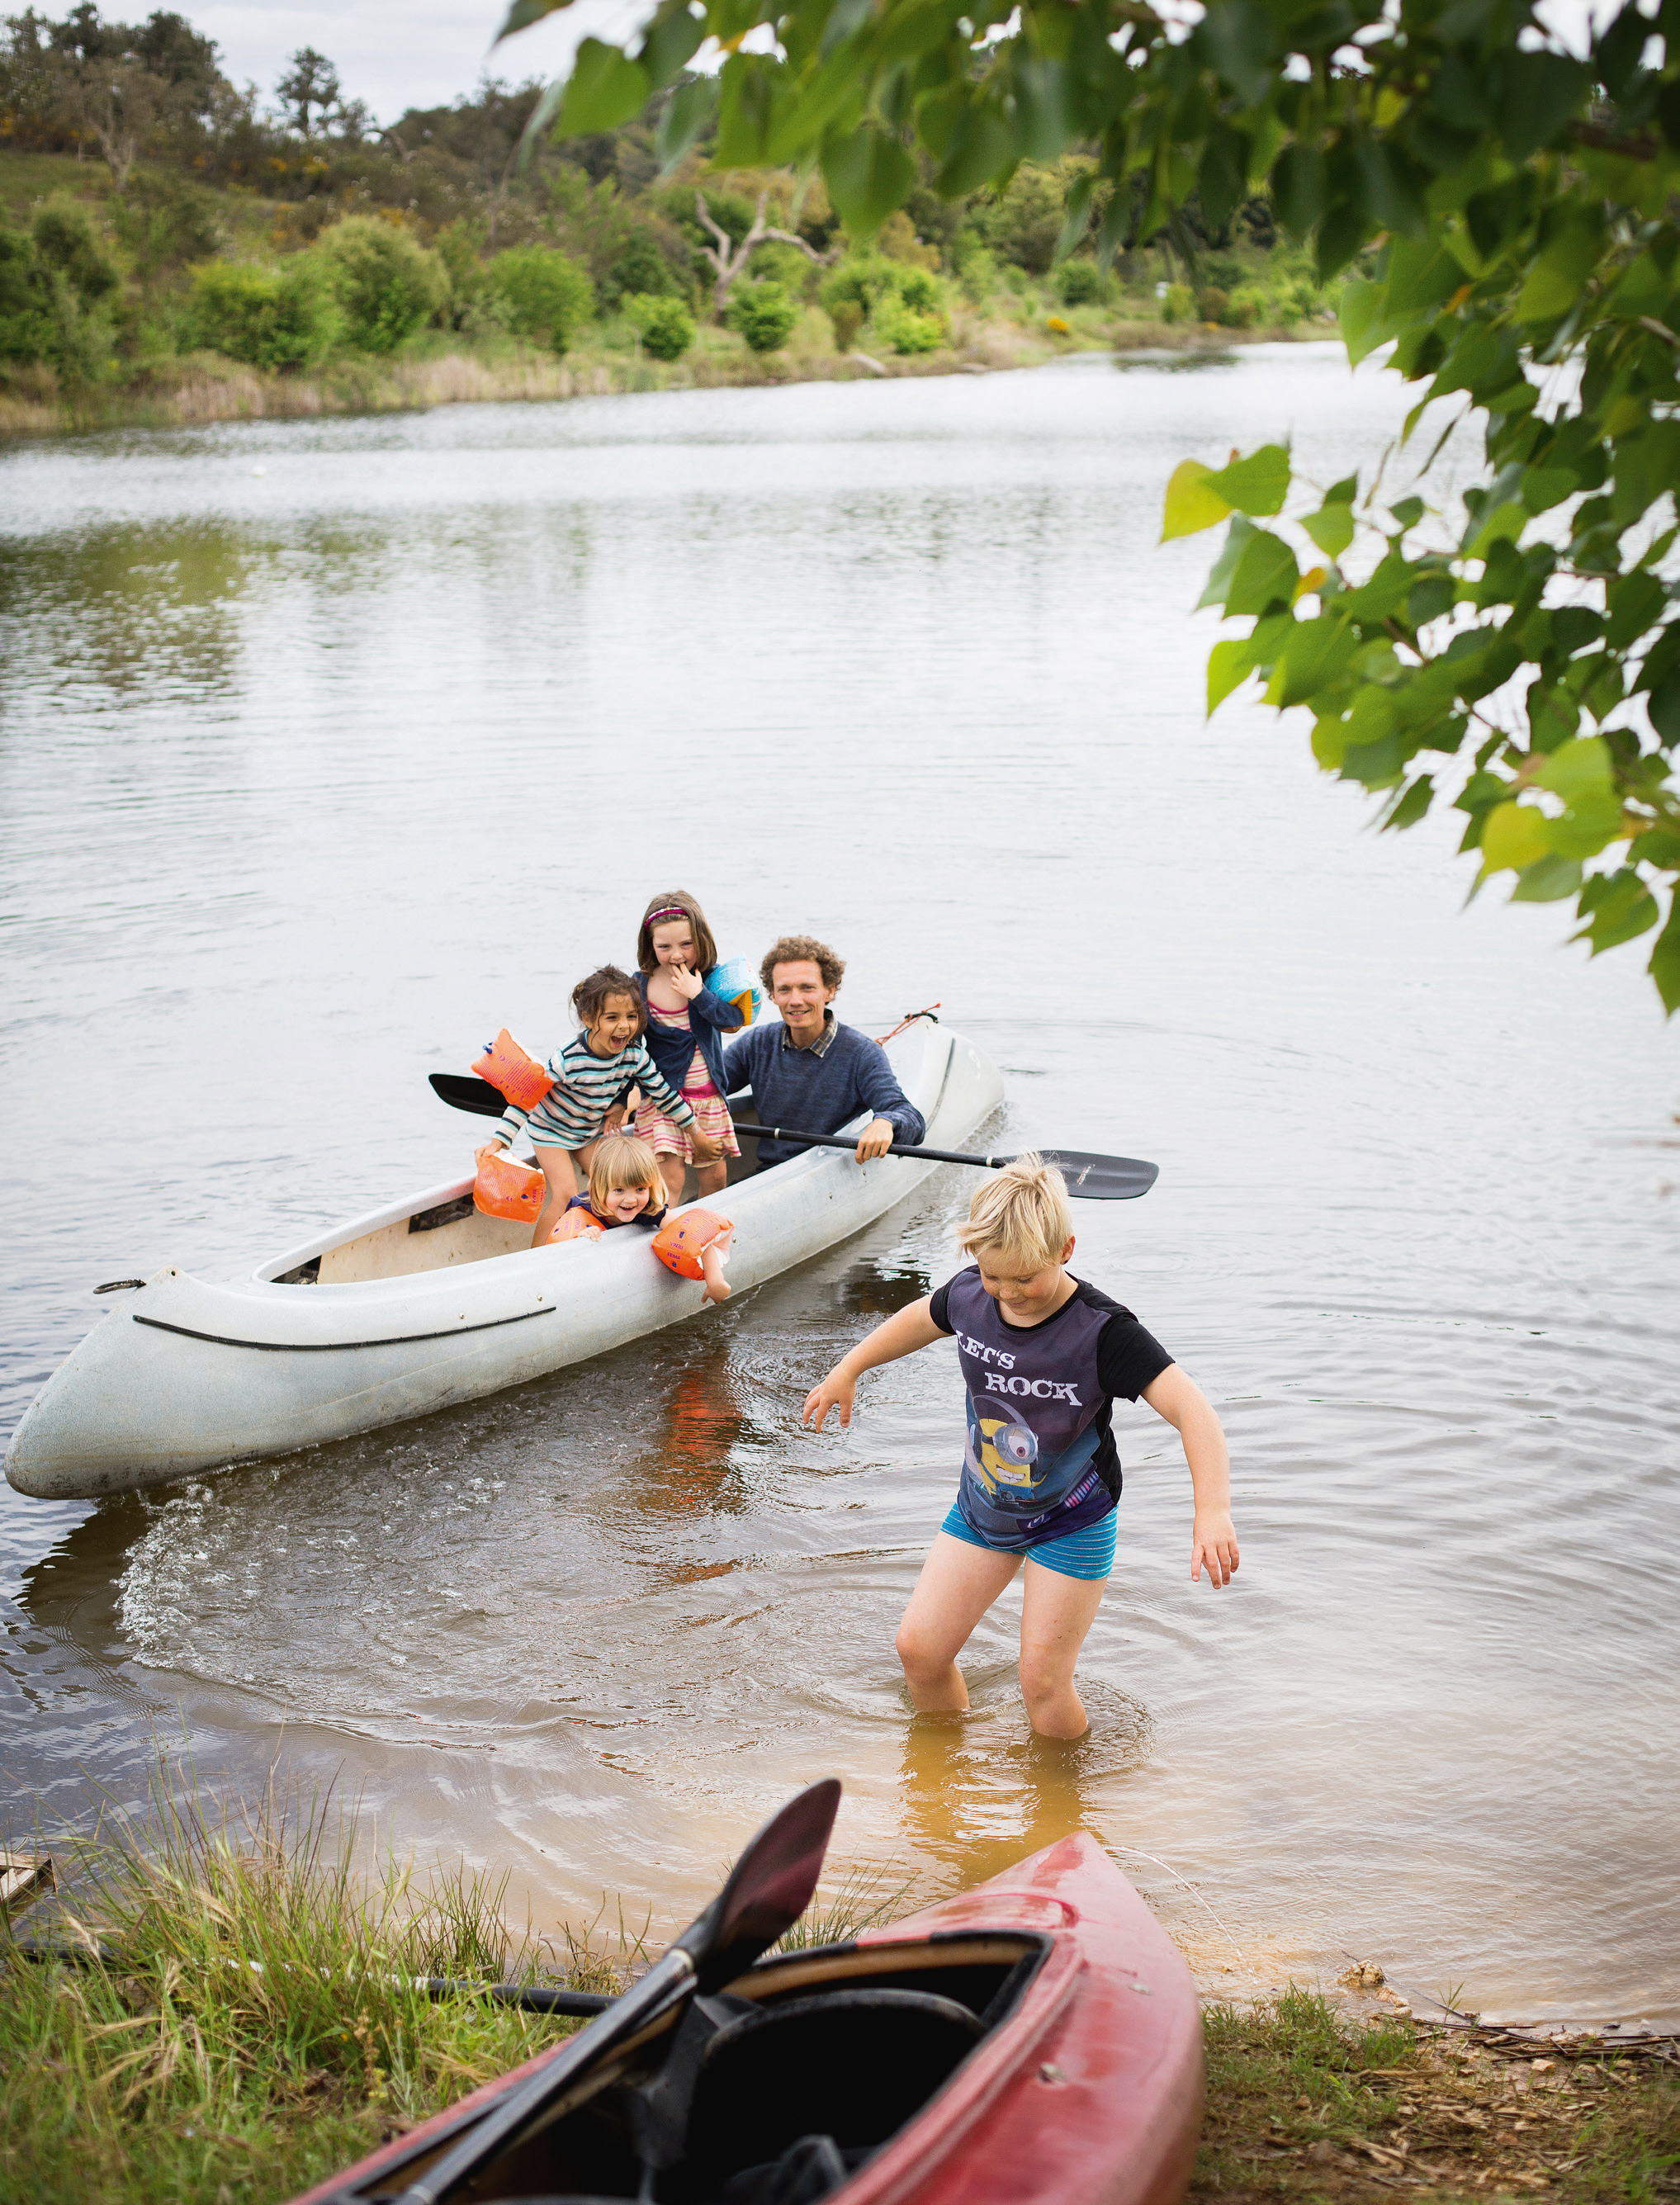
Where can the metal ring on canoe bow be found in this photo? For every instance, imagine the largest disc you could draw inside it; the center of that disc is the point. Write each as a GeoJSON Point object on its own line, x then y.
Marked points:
{"type": "Point", "coordinates": [326, 1347]}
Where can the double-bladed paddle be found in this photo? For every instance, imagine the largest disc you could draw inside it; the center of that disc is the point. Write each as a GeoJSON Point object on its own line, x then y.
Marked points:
{"type": "Point", "coordinates": [1091, 1178]}
{"type": "Point", "coordinates": [768, 1890]}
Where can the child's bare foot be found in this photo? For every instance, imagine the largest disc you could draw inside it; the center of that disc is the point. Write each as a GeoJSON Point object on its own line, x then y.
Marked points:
{"type": "Point", "coordinates": [717, 1291]}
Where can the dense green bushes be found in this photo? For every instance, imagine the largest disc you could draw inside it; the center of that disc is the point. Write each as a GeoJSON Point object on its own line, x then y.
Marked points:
{"type": "Point", "coordinates": [544, 295]}
{"type": "Point", "coordinates": [283, 317]}
{"type": "Point", "coordinates": [764, 314]}
{"type": "Point", "coordinates": [386, 285]}
{"type": "Point", "coordinates": [665, 325]}
{"type": "Point", "coordinates": [56, 286]}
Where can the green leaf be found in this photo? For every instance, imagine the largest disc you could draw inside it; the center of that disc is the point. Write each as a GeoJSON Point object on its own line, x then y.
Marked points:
{"type": "Point", "coordinates": [1218, 582]}
{"type": "Point", "coordinates": [980, 148]}
{"type": "Point", "coordinates": [1257, 484]}
{"type": "Point", "coordinates": [1555, 280]}
{"type": "Point", "coordinates": [673, 37]}
{"type": "Point", "coordinates": [1229, 665]}
{"type": "Point", "coordinates": [1411, 804]}
{"type": "Point", "coordinates": [1665, 965]}
{"type": "Point", "coordinates": [522, 13]}
{"type": "Point", "coordinates": [1191, 504]}
{"type": "Point", "coordinates": [1077, 214]}
{"type": "Point", "coordinates": [1580, 769]}
{"type": "Point", "coordinates": [606, 88]}
{"type": "Point", "coordinates": [1297, 189]}
{"type": "Point", "coordinates": [1265, 575]}
{"type": "Point", "coordinates": [1542, 91]}
{"type": "Point", "coordinates": [1513, 836]}
{"type": "Point", "coordinates": [1331, 528]}
{"type": "Point", "coordinates": [1319, 653]}
{"type": "Point", "coordinates": [1547, 882]}
{"type": "Point", "coordinates": [688, 115]}
{"type": "Point", "coordinates": [1617, 907]}
{"type": "Point", "coordinates": [1362, 311]}
{"type": "Point", "coordinates": [869, 176]}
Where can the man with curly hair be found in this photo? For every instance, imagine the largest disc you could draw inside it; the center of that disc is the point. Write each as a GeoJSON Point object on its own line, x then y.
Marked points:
{"type": "Point", "coordinates": [810, 1071]}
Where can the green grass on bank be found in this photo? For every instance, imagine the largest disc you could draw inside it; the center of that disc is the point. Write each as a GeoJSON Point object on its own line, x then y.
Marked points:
{"type": "Point", "coordinates": [258, 2026]}
{"type": "Point", "coordinates": [1305, 2105]}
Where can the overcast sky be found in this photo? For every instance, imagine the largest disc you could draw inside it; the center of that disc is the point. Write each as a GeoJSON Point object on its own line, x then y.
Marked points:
{"type": "Point", "coordinates": [396, 54]}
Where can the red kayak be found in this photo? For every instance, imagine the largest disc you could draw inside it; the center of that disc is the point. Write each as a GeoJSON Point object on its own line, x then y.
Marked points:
{"type": "Point", "coordinates": [1036, 2038]}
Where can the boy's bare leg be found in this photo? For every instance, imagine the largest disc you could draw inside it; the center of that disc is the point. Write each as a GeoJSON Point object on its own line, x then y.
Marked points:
{"type": "Point", "coordinates": [1056, 1612]}
{"type": "Point", "coordinates": [563, 1178]}
{"type": "Point", "coordinates": [958, 1583]}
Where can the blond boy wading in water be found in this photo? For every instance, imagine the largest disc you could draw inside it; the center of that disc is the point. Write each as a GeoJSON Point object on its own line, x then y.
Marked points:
{"type": "Point", "coordinates": [1044, 1357]}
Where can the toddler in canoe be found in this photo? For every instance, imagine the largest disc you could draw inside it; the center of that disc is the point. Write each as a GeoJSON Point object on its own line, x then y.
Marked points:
{"type": "Point", "coordinates": [625, 1188]}
{"type": "Point", "coordinates": [591, 1075]}
{"type": "Point", "coordinates": [685, 1026]}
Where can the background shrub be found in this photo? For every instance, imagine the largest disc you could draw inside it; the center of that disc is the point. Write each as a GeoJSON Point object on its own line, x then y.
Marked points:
{"type": "Point", "coordinates": [1080, 283]}
{"type": "Point", "coordinates": [1211, 303]}
{"type": "Point", "coordinates": [909, 328]}
{"type": "Point", "coordinates": [765, 315]}
{"type": "Point", "coordinates": [54, 288]}
{"type": "Point", "coordinates": [547, 295]}
{"type": "Point", "coordinates": [847, 317]}
{"type": "Point", "coordinates": [275, 317]}
{"type": "Point", "coordinates": [386, 285]}
{"type": "Point", "coordinates": [665, 324]}
{"type": "Point", "coordinates": [1179, 304]}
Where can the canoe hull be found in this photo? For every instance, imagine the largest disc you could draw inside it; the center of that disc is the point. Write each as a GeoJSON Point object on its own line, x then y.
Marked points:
{"type": "Point", "coordinates": [1088, 2093]}
{"type": "Point", "coordinates": [189, 1376]}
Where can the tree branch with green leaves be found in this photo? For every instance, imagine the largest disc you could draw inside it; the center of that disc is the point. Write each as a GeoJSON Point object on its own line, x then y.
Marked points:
{"type": "Point", "coordinates": [1508, 211]}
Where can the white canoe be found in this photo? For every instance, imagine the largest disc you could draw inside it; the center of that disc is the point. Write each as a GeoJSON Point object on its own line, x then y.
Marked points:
{"type": "Point", "coordinates": [425, 1303]}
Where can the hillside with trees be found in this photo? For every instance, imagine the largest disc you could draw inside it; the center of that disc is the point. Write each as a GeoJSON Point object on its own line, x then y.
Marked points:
{"type": "Point", "coordinates": [173, 246]}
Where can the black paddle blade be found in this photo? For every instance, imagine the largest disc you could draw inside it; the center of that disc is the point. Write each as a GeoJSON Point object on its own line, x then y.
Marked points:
{"type": "Point", "coordinates": [1102, 1178]}
{"type": "Point", "coordinates": [465, 1091]}
{"type": "Point", "coordinates": [769, 1889]}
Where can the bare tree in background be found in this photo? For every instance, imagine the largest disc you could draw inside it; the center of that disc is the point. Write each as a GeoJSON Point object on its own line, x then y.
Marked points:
{"type": "Point", "coordinates": [729, 260]}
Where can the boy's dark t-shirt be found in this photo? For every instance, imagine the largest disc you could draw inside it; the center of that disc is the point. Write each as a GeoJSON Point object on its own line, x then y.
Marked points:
{"type": "Point", "coordinates": [1040, 1459]}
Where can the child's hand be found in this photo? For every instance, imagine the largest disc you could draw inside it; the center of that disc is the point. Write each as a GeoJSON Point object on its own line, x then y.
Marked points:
{"type": "Point", "coordinates": [834, 1392]}
{"type": "Point", "coordinates": [706, 1151]}
{"type": "Point", "coordinates": [687, 984]}
{"type": "Point", "coordinates": [1214, 1540]}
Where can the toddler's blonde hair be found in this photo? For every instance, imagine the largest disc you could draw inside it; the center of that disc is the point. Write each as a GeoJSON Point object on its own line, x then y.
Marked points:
{"type": "Point", "coordinates": [1020, 1214]}
{"type": "Point", "coordinates": [620, 1161]}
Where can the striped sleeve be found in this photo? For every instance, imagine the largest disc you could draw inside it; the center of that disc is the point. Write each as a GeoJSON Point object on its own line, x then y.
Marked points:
{"type": "Point", "coordinates": [654, 1085]}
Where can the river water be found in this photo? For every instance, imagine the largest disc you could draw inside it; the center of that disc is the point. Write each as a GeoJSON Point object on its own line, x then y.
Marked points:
{"type": "Point", "coordinates": [329, 746]}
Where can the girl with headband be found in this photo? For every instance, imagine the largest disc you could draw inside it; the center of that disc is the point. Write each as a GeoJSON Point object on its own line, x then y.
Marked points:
{"type": "Point", "coordinates": [685, 1025]}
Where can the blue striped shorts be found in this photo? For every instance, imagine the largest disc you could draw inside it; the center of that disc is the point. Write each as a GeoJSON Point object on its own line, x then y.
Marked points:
{"type": "Point", "coordinates": [1089, 1553]}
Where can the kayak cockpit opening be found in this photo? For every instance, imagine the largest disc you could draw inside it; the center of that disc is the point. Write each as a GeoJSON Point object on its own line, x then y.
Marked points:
{"type": "Point", "coordinates": [778, 2087]}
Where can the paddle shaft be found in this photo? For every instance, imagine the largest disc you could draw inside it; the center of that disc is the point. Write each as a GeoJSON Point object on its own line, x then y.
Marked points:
{"type": "Point", "coordinates": [850, 1141]}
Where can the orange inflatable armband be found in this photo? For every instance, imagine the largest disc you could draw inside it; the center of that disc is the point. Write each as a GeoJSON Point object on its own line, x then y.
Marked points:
{"type": "Point", "coordinates": [505, 1189]}
{"type": "Point", "coordinates": [682, 1240]}
{"type": "Point", "coordinates": [519, 1078]}
{"type": "Point", "coordinates": [576, 1225]}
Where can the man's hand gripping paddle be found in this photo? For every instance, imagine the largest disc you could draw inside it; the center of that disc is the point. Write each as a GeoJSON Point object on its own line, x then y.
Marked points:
{"type": "Point", "coordinates": [768, 1890]}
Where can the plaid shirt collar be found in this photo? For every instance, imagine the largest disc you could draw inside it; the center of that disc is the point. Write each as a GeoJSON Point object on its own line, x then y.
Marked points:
{"type": "Point", "coordinates": [830, 1028]}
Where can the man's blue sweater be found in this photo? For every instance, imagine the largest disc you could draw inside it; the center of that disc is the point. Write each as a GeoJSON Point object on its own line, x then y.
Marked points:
{"type": "Point", "coordinates": [817, 1088]}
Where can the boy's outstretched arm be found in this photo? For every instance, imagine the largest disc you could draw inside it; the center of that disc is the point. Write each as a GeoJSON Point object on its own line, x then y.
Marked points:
{"type": "Point", "coordinates": [902, 1334]}
{"type": "Point", "coordinates": [1176, 1396]}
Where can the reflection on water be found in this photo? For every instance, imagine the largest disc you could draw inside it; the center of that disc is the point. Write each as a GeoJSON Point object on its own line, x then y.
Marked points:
{"type": "Point", "coordinates": [307, 773]}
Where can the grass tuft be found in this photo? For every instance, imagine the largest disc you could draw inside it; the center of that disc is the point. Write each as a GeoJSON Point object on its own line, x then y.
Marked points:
{"type": "Point", "coordinates": [244, 2017]}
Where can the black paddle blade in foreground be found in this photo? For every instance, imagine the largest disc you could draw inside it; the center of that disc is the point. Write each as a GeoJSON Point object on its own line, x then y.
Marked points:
{"type": "Point", "coordinates": [465, 1091]}
{"type": "Point", "coordinates": [769, 1889]}
{"type": "Point", "coordinates": [1091, 1178]}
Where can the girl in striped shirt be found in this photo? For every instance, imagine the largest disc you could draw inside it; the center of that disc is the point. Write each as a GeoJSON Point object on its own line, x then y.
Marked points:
{"type": "Point", "coordinates": [590, 1076]}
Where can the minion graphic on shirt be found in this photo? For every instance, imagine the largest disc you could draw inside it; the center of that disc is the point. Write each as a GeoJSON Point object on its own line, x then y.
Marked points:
{"type": "Point", "coordinates": [1001, 1452]}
